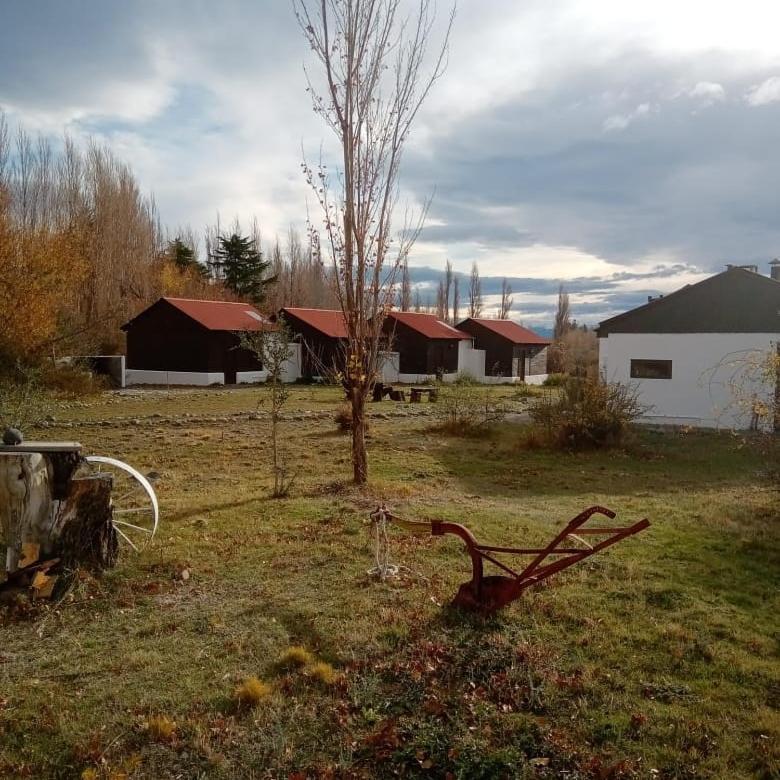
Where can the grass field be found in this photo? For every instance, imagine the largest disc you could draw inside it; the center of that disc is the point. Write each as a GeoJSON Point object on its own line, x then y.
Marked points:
{"type": "Point", "coordinates": [658, 658]}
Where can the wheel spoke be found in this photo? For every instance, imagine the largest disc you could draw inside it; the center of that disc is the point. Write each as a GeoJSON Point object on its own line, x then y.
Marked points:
{"type": "Point", "coordinates": [125, 537]}
{"type": "Point", "coordinates": [133, 510]}
{"type": "Point", "coordinates": [136, 527]}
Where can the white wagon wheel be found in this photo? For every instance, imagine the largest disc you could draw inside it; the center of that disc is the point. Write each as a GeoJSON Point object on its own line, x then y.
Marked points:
{"type": "Point", "coordinates": [136, 512]}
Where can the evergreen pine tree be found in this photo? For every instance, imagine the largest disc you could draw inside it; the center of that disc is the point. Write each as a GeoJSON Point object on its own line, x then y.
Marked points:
{"type": "Point", "coordinates": [183, 257]}
{"type": "Point", "coordinates": [241, 267]}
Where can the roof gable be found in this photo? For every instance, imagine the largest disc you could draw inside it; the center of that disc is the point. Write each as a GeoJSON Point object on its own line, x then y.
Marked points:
{"type": "Point", "coordinates": [213, 315]}
{"type": "Point", "coordinates": [734, 301]}
{"type": "Point", "coordinates": [427, 325]}
{"type": "Point", "coordinates": [509, 330]}
{"type": "Point", "coordinates": [222, 315]}
{"type": "Point", "coordinates": [329, 322]}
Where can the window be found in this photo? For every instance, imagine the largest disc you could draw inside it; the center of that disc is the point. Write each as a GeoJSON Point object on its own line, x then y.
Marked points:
{"type": "Point", "coordinates": [651, 369]}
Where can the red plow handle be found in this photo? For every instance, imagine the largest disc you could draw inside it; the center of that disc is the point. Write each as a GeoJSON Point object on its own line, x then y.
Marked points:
{"type": "Point", "coordinates": [490, 593]}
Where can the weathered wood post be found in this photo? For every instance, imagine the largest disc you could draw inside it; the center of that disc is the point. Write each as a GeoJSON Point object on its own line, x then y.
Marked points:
{"type": "Point", "coordinates": [47, 512]}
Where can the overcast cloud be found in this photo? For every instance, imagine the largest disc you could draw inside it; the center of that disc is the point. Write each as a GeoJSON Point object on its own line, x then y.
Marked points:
{"type": "Point", "coordinates": [622, 148]}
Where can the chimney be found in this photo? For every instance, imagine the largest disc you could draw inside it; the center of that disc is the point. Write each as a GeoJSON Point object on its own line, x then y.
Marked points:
{"type": "Point", "coordinates": [774, 269]}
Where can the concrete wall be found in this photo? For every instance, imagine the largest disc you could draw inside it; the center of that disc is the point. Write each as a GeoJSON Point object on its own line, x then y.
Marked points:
{"type": "Point", "coordinates": [292, 370]}
{"type": "Point", "coordinates": [537, 365]}
{"type": "Point", "coordinates": [136, 376]}
{"type": "Point", "coordinates": [389, 370]}
{"type": "Point", "coordinates": [471, 360]}
{"type": "Point", "coordinates": [710, 386]}
{"type": "Point", "coordinates": [251, 377]}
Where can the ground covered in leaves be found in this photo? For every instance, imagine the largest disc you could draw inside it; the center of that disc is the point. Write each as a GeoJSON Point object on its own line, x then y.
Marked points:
{"type": "Point", "coordinates": [250, 642]}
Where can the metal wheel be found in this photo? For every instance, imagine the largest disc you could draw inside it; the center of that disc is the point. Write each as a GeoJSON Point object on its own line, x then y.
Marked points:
{"type": "Point", "coordinates": [136, 512]}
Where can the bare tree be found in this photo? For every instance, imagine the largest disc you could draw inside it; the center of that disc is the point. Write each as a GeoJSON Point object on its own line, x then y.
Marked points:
{"type": "Point", "coordinates": [475, 292]}
{"type": "Point", "coordinates": [374, 84]}
{"type": "Point", "coordinates": [272, 349]}
{"type": "Point", "coordinates": [406, 288]}
{"type": "Point", "coordinates": [417, 299]}
{"type": "Point", "coordinates": [562, 315]}
{"type": "Point", "coordinates": [447, 290]}
{"type": "Point", "coordinates": [557, 360]}
{"type": "Point", "coordinates": [455, 299]}
{"type": "Point", "coordinates": [441, 301]}
{"type": "Point", "coordinates": [506, 300]}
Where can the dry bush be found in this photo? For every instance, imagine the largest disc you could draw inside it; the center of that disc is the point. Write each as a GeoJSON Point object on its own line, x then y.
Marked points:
{"type": "Point", "coordinates": [587, 413]}
{"type": "Point", "coordinates": [467, 409]}
{"type": "Point", "coordinates": [161, 728]}
{"type": "Point", "coordinates": [322, 672]}
{"type": "Point", "coordinates": [251, 692]}
{"type": "Point", "coordinates": [343, 418]}
{"type": "Point", "coordinates": [72, 380]}
{"type": "Point", "coordinates": [295, 657]}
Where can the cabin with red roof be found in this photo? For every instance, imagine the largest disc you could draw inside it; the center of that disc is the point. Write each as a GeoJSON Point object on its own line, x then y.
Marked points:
{"type": "Point", "coordinates": [180, 341]}
{"type": "Point", "coordinates": [510, 349]}
{"type": "Point", "coordinates": [426, 346]}
{"type": "Point", "coordinates": [322, 334]}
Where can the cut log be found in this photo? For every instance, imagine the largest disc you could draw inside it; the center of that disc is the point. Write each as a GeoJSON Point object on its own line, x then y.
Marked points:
{"type": "Point", "coordinates": [45, 512]}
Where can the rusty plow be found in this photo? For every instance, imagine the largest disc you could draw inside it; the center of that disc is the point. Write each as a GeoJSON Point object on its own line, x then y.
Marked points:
{"type": "Point", "coordinates": [489, 593]}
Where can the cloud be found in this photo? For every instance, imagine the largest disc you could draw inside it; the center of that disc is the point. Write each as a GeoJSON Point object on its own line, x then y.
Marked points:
{"type": "Point", "coordinates": [622, 121]}
{"type": "Point", "coordinates": [764, 93]}
{"type": "Point", "coordinates": [573, 140]}
{"type": "Point", "coordinates": [709, 93]}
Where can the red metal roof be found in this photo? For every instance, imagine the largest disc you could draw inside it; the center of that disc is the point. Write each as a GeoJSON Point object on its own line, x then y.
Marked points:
{"type": "Point", "coordinates": [428, 325]}
{"type": "Point", "coordinates": [511, 331]}
{"type": "Point", "coordinates": [222, 315]}
{"type": "Point", "coordinates": [330, 322]}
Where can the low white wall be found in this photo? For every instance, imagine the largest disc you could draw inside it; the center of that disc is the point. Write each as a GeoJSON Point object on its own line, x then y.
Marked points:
{"type": "Point", "coordinates": [251, 377]}
{"type": "Point", "coordinates": [471, 360]}
{"type": "Point", "coordinates": [536, 379]}
{"type": "Point", "coordinates": [291, 370]}
{"type": "Point", "coordinates": [136, 376]}
{"type": "Point", "coordinates": [389, 371]}
{"type": "Point", "coordinates": [709, 386]}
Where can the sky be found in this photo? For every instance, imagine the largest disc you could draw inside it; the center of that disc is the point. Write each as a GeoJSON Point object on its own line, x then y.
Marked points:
{"type": "Point", "coordinates": [623, 149]}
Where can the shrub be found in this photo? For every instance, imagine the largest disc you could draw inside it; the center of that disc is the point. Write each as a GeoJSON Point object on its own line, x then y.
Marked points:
{"type": "Point", "coordinates": [72, 380]}
{"type": "Point", "coordinates": [23, 400]}
{"type": "Point", "coordinates": [554, 380]}
{"type": "Point", "coordinates": [587, 413]}
{"type": "Point", "coordinates": [161, 728]}
{"type": "Point", "coordinates": [322, 672]}
{"type": "Point", "coordinates": [251, 692]}
{"type": "Point", "coordinates": [466, 409]}
{"type": "Point", "coordinates": [344, 417]}
{"type": "Point", "coordinates": [465, 378]}
{"type": "Point", "coordinates": [295, 657]}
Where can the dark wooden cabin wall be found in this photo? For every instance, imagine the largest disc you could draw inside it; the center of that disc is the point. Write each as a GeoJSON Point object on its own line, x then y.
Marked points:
{"type": "Point", "coordinates": [165, 339]}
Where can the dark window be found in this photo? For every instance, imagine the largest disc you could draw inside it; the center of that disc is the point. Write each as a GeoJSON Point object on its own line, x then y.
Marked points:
{"type": "Point", "coordinates": [651, 369]}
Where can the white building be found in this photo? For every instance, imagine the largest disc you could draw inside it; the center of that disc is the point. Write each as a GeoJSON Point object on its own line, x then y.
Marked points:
{"type": "Point", "coordinates": [700, 355]}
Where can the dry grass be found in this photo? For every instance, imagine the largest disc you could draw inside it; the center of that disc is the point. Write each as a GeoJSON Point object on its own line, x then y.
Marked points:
{"type": "Point", "coordinates": [161, 728]}
{"type": "Point", "coordinates": [659, 654]}
{"type": "Point", "coordinates": [295, 657]}
{"type": "Point", "coordinates": [251, 692]}
{"type": "Point", "coordinates": [322, 672]}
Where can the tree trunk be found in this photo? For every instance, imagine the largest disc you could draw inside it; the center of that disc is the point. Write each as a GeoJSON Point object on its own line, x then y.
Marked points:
{"type": "Point", "coordinates": [359, 454]}
{"type": "Point", "coordinates": [45, 513]}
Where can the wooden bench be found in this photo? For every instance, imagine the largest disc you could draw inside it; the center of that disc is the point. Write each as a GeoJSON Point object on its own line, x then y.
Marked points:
{"type": "Point", "coordinates": [417, 394]}
{"type": "Point", "coordinates": [381, 390]}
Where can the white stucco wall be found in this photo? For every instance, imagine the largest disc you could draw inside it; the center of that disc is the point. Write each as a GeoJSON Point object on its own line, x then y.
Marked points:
{"type": "Point", "coordinates": [251, 377]}
{"type": "Point", "coordinates": [136, 376]}
{"type": "Point", "coordinates": [389, 363]}
{"type": "Point", "coordinates": [706, 367]}
{"type": "Point", "coordinates": [471, 360]}
{"type": "Point", "coordinates": [291, 370]}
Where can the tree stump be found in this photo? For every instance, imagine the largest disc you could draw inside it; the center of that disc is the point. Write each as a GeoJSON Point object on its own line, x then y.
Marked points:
{"type": "Point", "coordinates": [46, 512]}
